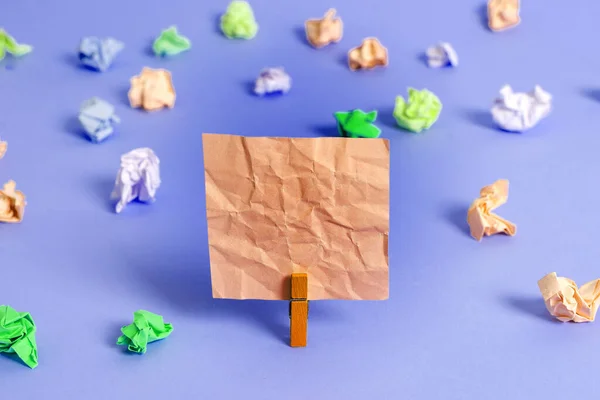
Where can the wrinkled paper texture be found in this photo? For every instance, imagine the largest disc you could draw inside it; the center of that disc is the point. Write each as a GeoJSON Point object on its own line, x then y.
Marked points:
{"type": "Point", "coordinates": [482, 221]}
{"type": "Point", "coordinates": [503, 14]}
{"type": "Point", "coordinates": [138, 178]}
{"type": "Point", "coordinates": [12, 203]}
{"type": "Point", "coordinates": [277, 206]}
{"type": "Point", "coordinates": [99, 53]}
{"type": "Point", "coordinates": [238, 22]}
{"type": "Point", "coordinates": [441, 55]}
{"type": "Point", "coordinates": [517, 112]}
{"type": "Point", "coordinates": [272, 80]}
{"type": "Point", "coordinates": [17, 335]}
{"type": "Point", "coordinates": [97, 118]}
{"type": "Point", "coordinates": [171, 43]}
{"type": "Point", "coordinates": [321, 32]}
{"type": "Point", "coordinates": [152, 90]}
{"type": "Point", "coordinates": [568, 303]}
{"type": "Point", "coordinates": [146, 328]}
{"type": "Point", "coordinates": [420, 111]}
{"type": "Point", "coordinates": [8, 44]}
{"type": "Point", "coordinates": [368, 55]}
{"type": "Point", "coordinates": [357, 124]}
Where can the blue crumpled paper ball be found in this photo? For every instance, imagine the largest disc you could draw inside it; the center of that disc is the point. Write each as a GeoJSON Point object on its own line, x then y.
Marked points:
{"type": "Point", "coordinates": [99, 54]}
{"type": "Point", "coordinates": [97, 118]}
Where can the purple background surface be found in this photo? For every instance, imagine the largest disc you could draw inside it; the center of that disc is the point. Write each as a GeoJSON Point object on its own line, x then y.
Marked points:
{"type": "Point", "coordinates": [465, 320]}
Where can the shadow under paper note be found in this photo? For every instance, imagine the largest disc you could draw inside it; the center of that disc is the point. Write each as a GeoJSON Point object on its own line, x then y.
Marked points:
{"type": "Point", "coordinates": [329, 130]}
{"type": "Point", "coordinates": [185, 284]}
{"type": "Point", "coordinates": [183, 281]}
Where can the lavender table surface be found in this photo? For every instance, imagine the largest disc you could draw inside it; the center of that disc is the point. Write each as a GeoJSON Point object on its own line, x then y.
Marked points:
{"type": "Point", "coordinates": [464, 321]}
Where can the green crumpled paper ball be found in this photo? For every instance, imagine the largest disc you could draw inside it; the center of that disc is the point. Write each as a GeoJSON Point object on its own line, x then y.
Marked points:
{"type": "Point", "coordinates": [146, 328]}
{"type": "Point", "coordinates": [170, 43]}
{"type": "Point", "coordinates": [17, 335]}
{"type": "Point", "coordinates": [357, 124]}
{"type": "Point", "coordinates": [8, 44]}
{"type": "Point", "coordinates": [238, 21]}
{"type": "Point", "coordinates": [420, 112]}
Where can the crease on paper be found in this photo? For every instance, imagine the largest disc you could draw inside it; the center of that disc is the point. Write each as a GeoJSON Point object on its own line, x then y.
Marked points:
{"type": "Point", "coordinates": [12, 203]}
{"type": "Point", "coordinates": [566, 302]}
{"type": "Point", "coordinates": [323, 31]}
{"type": "Point", "coordinates": [482, 221]}
{"type": "Point", "coordinates": [282, 205]}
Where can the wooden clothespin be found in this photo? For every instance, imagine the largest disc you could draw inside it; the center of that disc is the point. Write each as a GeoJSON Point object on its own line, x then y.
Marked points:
{"type": "Point", "coordinates": [298, 310]}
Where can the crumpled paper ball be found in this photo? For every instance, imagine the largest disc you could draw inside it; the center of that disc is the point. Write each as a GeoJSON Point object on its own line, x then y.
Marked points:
{"type": "Point", "coordinates": [98, 54]}
{"type": "Point", "coordinates": [17, 335]}
{"type": "Point", "coordinates": [146, 328]}
{"type": "Point", "coordinates": [238, 21]}
{"type": "Point", "coordinates": [420, 112]}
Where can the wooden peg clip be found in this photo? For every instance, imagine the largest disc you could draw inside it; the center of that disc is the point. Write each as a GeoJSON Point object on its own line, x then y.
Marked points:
{"type": "Point", "coordinates": [298, 310]}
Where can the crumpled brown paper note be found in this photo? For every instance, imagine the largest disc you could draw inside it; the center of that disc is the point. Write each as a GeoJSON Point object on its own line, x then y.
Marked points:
{"type": "Point", "coordinates": [152, 90]}
{"type": "Point", "coordinates": [276, 206]}
{"type": "Point", "coordinates": [567, 303]}
{"type": "Point", "coordinates": [503, 14]}
{"type": "Point", "coordinates": [368, 55]}
{"type": "Point", "coordinates": [12, 203]}
{"type": "Point", "coordinates": [321, 32]}
{"type": "Point", "coordinates": [3, 147]}
{"type": "Point", "coordinates": [480, 218]}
